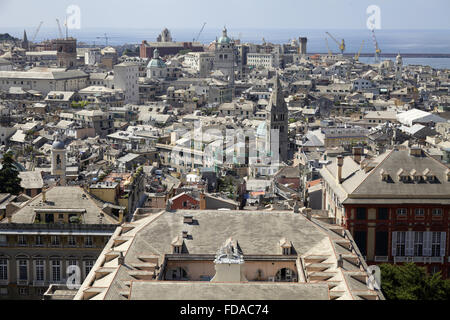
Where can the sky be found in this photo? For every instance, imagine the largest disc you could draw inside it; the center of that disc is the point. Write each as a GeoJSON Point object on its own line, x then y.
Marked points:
{"type": "Point", "coordinates": [276, 14]}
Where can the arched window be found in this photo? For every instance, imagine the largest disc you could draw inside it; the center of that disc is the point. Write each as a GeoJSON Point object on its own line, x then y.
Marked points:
{"type": "Point", "coordinates": [285, 275]}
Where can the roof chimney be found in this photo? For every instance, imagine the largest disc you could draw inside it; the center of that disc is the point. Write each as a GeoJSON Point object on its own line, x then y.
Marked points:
{"type": "Point", "coordinates": [188, 218]}
{"type": "Point", "coordinates": [340, 163]}
{"type": "Point", "coordinates": [340, 261]}
{"type": "Point", "coordinates": [44, 198]}
{"type": "Point", "coordinates": [121, 258]}
{"type": "Point", "coordinates": [415, 151]}
{"type": "Point", "coordinates": [357, 153]}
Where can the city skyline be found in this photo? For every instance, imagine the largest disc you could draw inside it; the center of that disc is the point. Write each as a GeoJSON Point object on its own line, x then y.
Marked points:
{"type": "Point", "coordinates": [347, 14]}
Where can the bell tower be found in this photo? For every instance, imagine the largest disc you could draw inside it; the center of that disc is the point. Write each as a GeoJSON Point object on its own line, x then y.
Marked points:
{"type": "Point", "coordinates": [58, 167]}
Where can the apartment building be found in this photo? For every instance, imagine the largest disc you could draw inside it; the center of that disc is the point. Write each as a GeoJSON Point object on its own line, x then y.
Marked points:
{"type": "Point", "coordinates": [396, 205]}
{"type": "Point", "coordinates": [58, 228]}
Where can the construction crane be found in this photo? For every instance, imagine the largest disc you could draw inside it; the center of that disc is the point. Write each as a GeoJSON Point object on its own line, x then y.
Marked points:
{"type": "Point", "coordinates": [359, 51]}
{"type": "Point", "coordinates": [200, 32]}
{"type": "Point", "coordinates": [104, 37]}
{"type": "Point", "coordinates": [328, 47]}
{"type": "Point", "coordinates": [340, 45]}
{"type": "Point", "coordinates": [377, 48]}
{"type": "Point", "coordinates": [59, 29]}
{"type": "Point", "coordinates": [37, 31]}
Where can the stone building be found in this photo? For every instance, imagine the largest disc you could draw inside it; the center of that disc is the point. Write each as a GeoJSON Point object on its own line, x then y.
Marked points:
{"type": "Point", "coordinates": [396, 205]}
{"type": "Point", "coordinates": [215, 255]}
{"type": "Point", "coordinates": [60, 227]}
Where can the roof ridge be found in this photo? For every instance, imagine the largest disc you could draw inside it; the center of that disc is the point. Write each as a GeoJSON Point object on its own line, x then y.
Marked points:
{"type": "Point", "coordinates": [372, 171]}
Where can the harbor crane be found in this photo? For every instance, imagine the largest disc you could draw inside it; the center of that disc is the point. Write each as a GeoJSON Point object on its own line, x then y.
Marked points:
{"type": "Point", "coordinates": [104, 37]}
{"type": "Point", "coordinates": [37, 31]}
{"type": "Point", "coordinates": [341, 45]}
{"type": "Point", "coordinates": [377, 48]}
{"type": "Point", "coordinates": [328, 47]}
{"type": "Point", "coordinates": [200, 32]}
{"type": "Point", "coordinates": [59, 29]}
{"type": "Point", "coordinates": [359, 51]}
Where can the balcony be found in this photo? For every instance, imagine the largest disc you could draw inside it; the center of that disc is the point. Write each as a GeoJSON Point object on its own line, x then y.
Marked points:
{"type": "Point", "coordinates": [40, 283]}
{"type": "Point", "coordinates": [22, 282]}
{"type": "Point", "coordinates": [420, 259]}
{"type": "Point", "coordinates": [381, 258]}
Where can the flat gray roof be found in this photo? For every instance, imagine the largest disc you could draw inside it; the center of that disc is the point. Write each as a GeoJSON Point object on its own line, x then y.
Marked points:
{"type": "Point", "coordinates": [199, 290]}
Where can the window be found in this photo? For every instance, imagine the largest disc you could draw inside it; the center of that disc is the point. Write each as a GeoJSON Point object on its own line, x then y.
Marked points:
{"type": "Point", "coordinates": [361, 241]}
{"type": "Point", "coordinates": [3, 240]}
{"type": "Point", "coordinates": [177, 249]}
{"type": "Point", "coordinates": [22, 240]}
{"type": "Point", "coordinates": [435, 244]}
{"type": "Point", "coordinates": [88, 241]}
{"type": "Point", "coordinates": [56, 271]}
{"type": "Point", "coordinates": [383, 213]}
{"type": "Point", "coordinates": [286, 251]}
{"type": "Point", "coordinates": [23, 291]}
{"type": "Point", "coordinates": [23, 269]}
{"type": "Point", "coordinates": [3, 291]}
{"type": "Point", "coordinates": [38, 241]}
{"type": "Point", "coordinates": [361, 214]}
{"type": "Point", "coordinates": [401, 241]}
{"type": "Point", "coordinates": [55, 241]}
{"type": "Point", "coordinates": [39, 270]}
{"type": "Point", "coordinates": [418, 244]}
{"type": "Point", "coordinates": [381, 243]}
{"type": "Point", "coordinates": [419, 212]}
{"type": "Point", "coordinates": [402, 211]}
{"type": "Point", "coordinates": [88, 264]}
{"type": "Point", "coordinates": [436, 212]}
{"type": "Point", "coordinates": [72, 262]}
{"type": "Point", "coordinates": [3, 269]}
{"type": "Point", "coordinates": [72, 241]}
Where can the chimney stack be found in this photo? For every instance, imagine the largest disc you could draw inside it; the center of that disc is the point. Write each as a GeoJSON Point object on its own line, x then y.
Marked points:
{"type": "Point", "coordinates": [44, 198]}
{"type": "Point", "coordinates": [340, 163]}
{"type": "Point", "coordinates": [121, 259]}
{"type": "Point", "coordinates": [357, 153]}
{"type": "Point", "coordinates": [340, 261]}
{"type": "Point", "coordinates": [120, 215]}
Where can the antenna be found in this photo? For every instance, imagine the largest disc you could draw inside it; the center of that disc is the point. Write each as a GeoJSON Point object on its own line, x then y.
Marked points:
{"type": "Point", "coordinates": [67, 29]}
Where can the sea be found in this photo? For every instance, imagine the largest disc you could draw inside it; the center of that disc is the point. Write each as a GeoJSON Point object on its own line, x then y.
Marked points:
{"type": "Point", "coordinates": [389, 41]}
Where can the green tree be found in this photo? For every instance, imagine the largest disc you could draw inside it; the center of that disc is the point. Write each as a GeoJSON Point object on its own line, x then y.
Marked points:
{"type": "Point", "coordinates": [9, 176]}
{"type": "Point", "coordinates": [411, 282]}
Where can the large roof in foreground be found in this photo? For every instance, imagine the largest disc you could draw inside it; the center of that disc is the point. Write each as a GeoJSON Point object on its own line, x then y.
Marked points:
{"type": "Point", "coordinates": [258, 235]}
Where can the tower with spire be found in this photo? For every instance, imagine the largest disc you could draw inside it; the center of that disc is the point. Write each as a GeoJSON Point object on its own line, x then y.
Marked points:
{"type": "Point", "coordinates": [58, 165]}
{"type": "Point", "coordinates": [25, 43]}
{"type": "Point", "coordinates": [277, 122]}
{"type": "Point", "coordinates": [398, 67]}
{"type": "Point", "coordinates": [224, 59]}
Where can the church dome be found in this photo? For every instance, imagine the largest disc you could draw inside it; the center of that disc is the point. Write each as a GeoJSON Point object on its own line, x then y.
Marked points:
{"type": "Point", "coordinates": [58, 145]}
{"type": "Point", "coordinates": [224, 39]}
{"type": "Point", "coordinates": [156, 62]}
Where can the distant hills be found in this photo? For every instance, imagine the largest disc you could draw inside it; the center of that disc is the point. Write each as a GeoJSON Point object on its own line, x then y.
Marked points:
{"type": "Point", "coordinates": [7, 37]}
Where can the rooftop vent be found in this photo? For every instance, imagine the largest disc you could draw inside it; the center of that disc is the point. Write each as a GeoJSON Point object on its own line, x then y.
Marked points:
{"type": "Point", "coordinates": [188, 218]}
{"type": "Point", "coordinates": [384, 175]}
{"type": "Point", "coordinates": [185, 234]}
{"type": "Point", "coordinates": [415, 151]}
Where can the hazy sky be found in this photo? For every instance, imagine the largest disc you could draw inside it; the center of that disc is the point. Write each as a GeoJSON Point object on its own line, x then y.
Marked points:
{"type": "Point", "coordinates": [308, 14]}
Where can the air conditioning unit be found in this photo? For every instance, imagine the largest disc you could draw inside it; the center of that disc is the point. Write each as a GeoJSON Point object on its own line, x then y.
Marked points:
{"type": "Point", "coordinates": [272, 279]}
